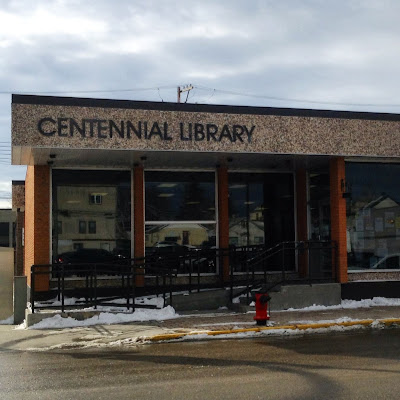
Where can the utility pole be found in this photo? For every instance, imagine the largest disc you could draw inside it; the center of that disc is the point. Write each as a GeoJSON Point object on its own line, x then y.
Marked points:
{"type": "Point", "coordinates": [187, 88]}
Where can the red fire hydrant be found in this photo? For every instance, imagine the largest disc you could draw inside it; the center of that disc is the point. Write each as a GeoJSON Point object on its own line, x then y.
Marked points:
{"type": "Point", "coordinates": [262, 315]}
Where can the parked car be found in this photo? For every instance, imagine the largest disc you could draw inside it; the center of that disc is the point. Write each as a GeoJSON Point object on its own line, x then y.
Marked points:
{"type": "Point", "coordinates": [80, 260]}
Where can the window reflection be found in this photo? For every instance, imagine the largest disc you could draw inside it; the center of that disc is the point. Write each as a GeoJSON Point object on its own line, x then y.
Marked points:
{"type": "Point", "coordinates": [91, 210]}
{"type": "Point", "coordinates": [190, 236]}
{"type": "Point", "coordinates": [373, 216]}
{"type": "Point", "coordinates": [180, 196]}
{"type": "Point", "coordinates": [185, 201]}
{"type": "Point", "coordinates": [260, 209]}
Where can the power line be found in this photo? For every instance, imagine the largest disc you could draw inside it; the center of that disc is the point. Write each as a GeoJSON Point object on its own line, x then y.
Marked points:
{"type": "Point", "coordinates": [87, 91]}
{"type": "Point", "coordinates": [200, 87]}
{"type": "Point", "coordinates": [295, 99]}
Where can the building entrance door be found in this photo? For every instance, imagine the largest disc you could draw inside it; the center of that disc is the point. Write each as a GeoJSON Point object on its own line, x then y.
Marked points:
{"type": "Point", "coordinates": [261, 209]}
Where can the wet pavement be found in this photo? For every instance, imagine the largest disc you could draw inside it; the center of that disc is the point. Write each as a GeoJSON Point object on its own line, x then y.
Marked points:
{"type": "Point", "coordinates": [360, 364]}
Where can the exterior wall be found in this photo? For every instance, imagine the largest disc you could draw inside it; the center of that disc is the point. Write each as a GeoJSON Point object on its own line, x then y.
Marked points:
{"type": "Point", "coordinates": [301, 203]}
{"type": "Point", "coordinates": [54, 123]}
{"type": "Point", "coordinates": [37, 222]}
{"type": "Point", "coordinates": [338, 216]}
{"type": "Point", "coordinates": [374, 276]}
{"type": "Point", "coordinates": [18, 194]}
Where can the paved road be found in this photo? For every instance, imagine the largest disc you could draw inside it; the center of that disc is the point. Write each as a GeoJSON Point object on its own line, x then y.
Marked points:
{"type": "Point", "coordinates": [362, 365]}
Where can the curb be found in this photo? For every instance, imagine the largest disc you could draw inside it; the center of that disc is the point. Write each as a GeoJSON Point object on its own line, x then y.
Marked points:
{"type": "Point", "coordinates": [365, 322]}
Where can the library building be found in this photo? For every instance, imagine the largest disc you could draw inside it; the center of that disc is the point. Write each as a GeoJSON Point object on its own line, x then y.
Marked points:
{"type": "Point", "coordinates": [312, 193]}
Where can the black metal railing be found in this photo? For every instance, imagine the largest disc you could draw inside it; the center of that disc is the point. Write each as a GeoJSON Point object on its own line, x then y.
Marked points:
{"type": "Point", "coordinates": [316, 261]}
{"type": "Point", "coordinates": [125, 277]}
{"type": "Point", "coordinates": [161, 274]}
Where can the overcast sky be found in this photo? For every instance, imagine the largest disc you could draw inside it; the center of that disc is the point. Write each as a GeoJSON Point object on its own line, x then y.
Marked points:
{"type": "Point", "coordinates": [319, 51]}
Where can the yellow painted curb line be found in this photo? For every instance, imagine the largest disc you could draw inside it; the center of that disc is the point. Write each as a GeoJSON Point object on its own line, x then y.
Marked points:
{"type": "Point", "coordinates": [364, 322]}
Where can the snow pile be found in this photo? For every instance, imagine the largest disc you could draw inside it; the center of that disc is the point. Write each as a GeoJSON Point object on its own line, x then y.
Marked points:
{"type": "Point", "coordinates": [8, 321]}
{"type": "Point", "coordinates": [375, 302]}
{"type": "Point", "coordinates": [140, 315]}
{"type": "Point", "coordinates": [352, 304]}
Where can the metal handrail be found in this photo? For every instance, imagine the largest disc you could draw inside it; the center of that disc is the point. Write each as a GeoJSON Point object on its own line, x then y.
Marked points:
{"type": "Point", "coordinates": [164, 269]}
{"type": "Point", "coordinates": [253, 281]}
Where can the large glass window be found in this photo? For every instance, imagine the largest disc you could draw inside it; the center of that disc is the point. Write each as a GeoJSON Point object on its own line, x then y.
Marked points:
{"type": "Point", "coordinates": [91, 215]}
{"type": "Point", "coordinates": [373, 216]}
{"type": "Point", "coordinates": [180, 211]}
{"type": "Point", "coordinates": [261, 209]}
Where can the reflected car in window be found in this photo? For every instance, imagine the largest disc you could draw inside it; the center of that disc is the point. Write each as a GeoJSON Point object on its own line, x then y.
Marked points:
{"type": "Point", "coordinates": [108, 263]}
{"type": "Point", "coordinates": [392, 261]}
{"type": "Point", "coordinates": [185, 258]}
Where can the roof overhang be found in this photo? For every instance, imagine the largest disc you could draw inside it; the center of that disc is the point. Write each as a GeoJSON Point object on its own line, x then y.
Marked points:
{"type": "Point", "coordinates": [94, 132]}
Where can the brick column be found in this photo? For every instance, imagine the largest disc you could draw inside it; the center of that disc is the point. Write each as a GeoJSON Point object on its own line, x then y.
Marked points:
{"type": "Point", "coordinates": [338, 216]}
{"type": "Point", "coordinates": [37, 223]}
{"type": "Point", "coordinates": [301, 205]}
{"type": "Point", "coordinates": [138, 217]}
{"type": "Point", "coordinates": [223, 218]}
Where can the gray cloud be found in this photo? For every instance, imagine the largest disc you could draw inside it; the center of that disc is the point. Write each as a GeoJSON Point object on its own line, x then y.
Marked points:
{"type": "Point", "coordinates": [342, 51]}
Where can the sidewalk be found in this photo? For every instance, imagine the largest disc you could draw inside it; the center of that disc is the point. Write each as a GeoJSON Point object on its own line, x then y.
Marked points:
{"type": "Point", "coordinates": [195, 326]}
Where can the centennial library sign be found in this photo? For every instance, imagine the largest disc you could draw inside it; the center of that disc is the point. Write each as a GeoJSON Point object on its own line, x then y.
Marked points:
{"type": "Point", "coordinates": [146, 130]}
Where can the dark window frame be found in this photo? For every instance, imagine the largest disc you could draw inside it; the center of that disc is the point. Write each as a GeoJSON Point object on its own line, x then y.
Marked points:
{"type": "Point", "coordinates": [96, 199]}
{"type": "Point", "coordinates": [92, 227]}
{"type": "Point", "coordinates": [82, 227]}
{"type": "Point", "coordinates": [59, 227]}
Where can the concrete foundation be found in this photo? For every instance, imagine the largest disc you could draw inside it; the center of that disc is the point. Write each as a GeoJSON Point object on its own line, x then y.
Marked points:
{"type": "Point", "coordinates": [207, 300]}
{"type": "Point", "coordinates": [300, 296]}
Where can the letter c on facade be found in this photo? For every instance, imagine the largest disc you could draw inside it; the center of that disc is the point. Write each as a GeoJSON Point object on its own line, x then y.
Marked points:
{"type": "Point", "coordinates": [40, 126]}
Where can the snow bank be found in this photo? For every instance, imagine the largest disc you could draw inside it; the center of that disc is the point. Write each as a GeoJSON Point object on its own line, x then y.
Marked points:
{"type": "Point", "coordinates": [352, 304]}
{"type": "Point", "coordinates": [7, 321]}
{"type": "Point", "coordinates": [104, 318]}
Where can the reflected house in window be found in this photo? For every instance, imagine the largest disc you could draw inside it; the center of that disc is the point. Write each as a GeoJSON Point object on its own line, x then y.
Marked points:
{"type": "Point", "coordinates": [93, 208]}
{"type": "Point", "coordinates": [242, 232]}
{"type": "Point", "coordinates": [374, 231]}
{"type": "Point", "coordinates": [186, 234]}
{"type": "Point", "coordinates": [86, 219]}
